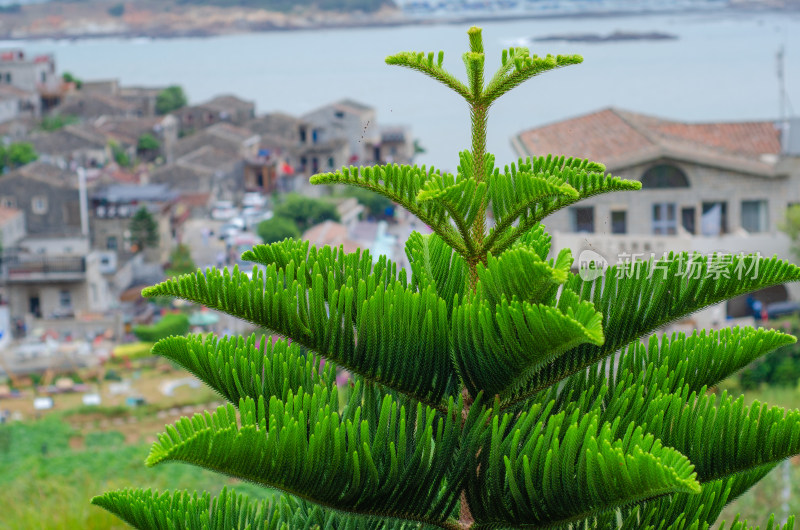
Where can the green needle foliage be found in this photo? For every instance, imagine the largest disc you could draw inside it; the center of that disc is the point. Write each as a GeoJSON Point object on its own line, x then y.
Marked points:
{"type": "Point", "coordinates": [490, 386]}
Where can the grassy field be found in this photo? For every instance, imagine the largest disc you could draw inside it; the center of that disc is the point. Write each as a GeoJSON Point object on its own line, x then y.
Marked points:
{"type": "Point", "coordinates": [51, 467]}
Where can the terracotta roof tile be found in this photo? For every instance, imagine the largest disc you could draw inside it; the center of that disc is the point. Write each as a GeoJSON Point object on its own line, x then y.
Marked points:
{"type": "Point", "coordinates": [616, 137]}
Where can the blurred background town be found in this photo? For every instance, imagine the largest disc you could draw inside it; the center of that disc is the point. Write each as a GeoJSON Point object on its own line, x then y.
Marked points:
{"type": "Point", "coordinates": [144, 139]}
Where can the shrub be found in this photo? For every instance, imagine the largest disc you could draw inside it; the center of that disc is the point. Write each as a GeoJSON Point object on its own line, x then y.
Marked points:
{"type": "Point", "coordinates": [305, 211]}
{"type": "Point", "coordinates": [170, 324]}
{"type": "Point", "coordinates": [277, 229]}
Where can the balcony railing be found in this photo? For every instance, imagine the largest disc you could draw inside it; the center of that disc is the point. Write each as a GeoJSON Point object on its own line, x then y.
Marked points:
{"type": "Point", "coordinates": [51, 268]}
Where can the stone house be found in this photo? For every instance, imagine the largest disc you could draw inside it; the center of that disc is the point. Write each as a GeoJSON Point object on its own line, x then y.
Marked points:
{"type": "Point", "coordinates": [286, 140]}
{"type": "Point", "coordinates": [51, 272]}
{"type": "Point", "coordinates": [73, 146]}
{"type": "Point", "coordinates": [221, 109]}
{"type": "Point", "coordinates": [144, 98]}
{"type": "Point", "coordinates": [91, 105]}
{"type": "Point", "coordinates": [111, 209]}
{"type": "Point", "coordinates": [206, 170]}
{"type": "Point", "coordinates": [37, 74]}
{"type": "Point", "coordinates": [12, 226]}
{"type": "Point", "coordinates": [48, 197]}
{"type": "Point", "coordinates": [223, 137]}
{"type": "Point", "coordinates": [232, 109]}
{"type": "Point", "coordinates": [17, 103]}
{"type": "Point", "coordinates": [706, 187]}
{"type": "Point", "coordinates": [127, 131]}
{"type": "Point", "coordinates": [395, 146]}
{"type": "Point", "coordinates": [345, 119]}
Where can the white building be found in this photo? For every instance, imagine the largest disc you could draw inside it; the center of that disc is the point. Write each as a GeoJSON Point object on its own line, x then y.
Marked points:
{"type": "Point", "coordinates": [707, 187]}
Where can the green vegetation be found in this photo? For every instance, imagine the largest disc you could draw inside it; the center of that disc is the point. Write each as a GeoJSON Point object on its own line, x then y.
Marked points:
{"type": "Point", "coordinates": [180, 261]}
{"type": "Point", "coordinates": [287, 5]}
{"type": "Point", "coordinates": [148, 144]}
{"type": "Point", "coordinates": [277, 229]}
{"type": "Point", "coordinates": [305, 212]}
{"type": "Point", "coordinates": [119, 154]}
{"type": "Point", "coordinates": [69, 78]}
{"type": "Point", "coordinates": [45, 483]}
{"type": "Point", "coordinates": [169, 99]}
{"type": "Point", "coordinates": [487, 389]}
{"type": "Point", "coordinates": [791, 226]}
{"type": "Point", "coordinates": [16, 154]}
{"type": "Point", "coordinates": [375, 205]}
{"type": "Point", "coordinates": [134, 350]}
{"type": "Point", "coordinates": [780, 367]}
{"type": "Point", "coordinates": [144, 230]}
{"type": "Point", "coordinates": [56, 122]}
{"type": "Point", "coordinates": [169, 325]}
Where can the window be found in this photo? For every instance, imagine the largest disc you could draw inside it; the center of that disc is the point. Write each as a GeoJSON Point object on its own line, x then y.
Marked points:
{"type": "Point", "coordinates": [39, 205]}
{"type": "Point", "coordinates": [665, 221]}
{"type": "Point", "coordinates": [664, 176]}
{"type": "Point", "coordinates": [582, 219]}
{"type": "Point", "coordinates": [688, 220]}
{"type": "Point", "coordinates": [65, 298]}
{"type": "Point", "coordinates": [314, 136]}
{"type": "Point", "coordinates": [339, 114]}
{"type": "Point", "coordinates": [8, 77]}
{"type": "Point", "coordinates": [619, 222]}
{"type": "Point", "coordinates": [43, 77]}
{"type": "Point", "coordinates": [111, 243]}
{"type": "Point", "coordinates": [754, 216]}
{"type": "Point", "coordinates": [330, 162]}
{"type": "Point", "coordinates": [8, 202]}
{"type": "Point", "coordinates": [714, 220]}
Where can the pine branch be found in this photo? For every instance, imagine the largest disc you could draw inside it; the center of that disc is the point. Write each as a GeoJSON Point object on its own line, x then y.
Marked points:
{"type": "Point", "coordinates": [181, 510]}
{"type": "Point", "coordinates": [516, 194]}
{"type": "Point", "coordinates": [524, 469]}
{"type": "Point", "coordinates": [635, 306]}
{"type": "Point", "coordinates": [496, 348]}
{"type": "Point", "coordinates": [434, 264]}
{"type": "Point", "coordinates": [683, 510]}
{"type": "Point", "coordinates": [400, 184]}
{"type": "Point", "coordinates": [397, 469]}
{"type": "Point", "coordinates": [420, 62]}
{"type": "Point", "coordinates": [720, 440]}
{"type": "Point", "coordinates": [391, 340]}
{"type": "Point", "coordinates": [237, 367]}
{"type": "Point", "coordinates": [524, 68]}
{"type": "Point", "coordinates": [334, 264]}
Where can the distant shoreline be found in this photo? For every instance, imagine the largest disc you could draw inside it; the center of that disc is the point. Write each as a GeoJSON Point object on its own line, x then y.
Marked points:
{"type": "Point", "coordinates": [375, 22]}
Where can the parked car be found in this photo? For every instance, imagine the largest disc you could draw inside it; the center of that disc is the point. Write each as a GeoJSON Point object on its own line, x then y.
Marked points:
{"type": "Point", "coordinates": [254, 199]}
{"type": "Point", "coordinates": [780, 309]}
{"type": "Point", "coordinates": [238, 222]}
{"type": "Point", "coordinates": [223, 211]}
{"type": "Point", "coordinates": [228, 231]}
{"type": "Point", "coordinates": [253, 216]}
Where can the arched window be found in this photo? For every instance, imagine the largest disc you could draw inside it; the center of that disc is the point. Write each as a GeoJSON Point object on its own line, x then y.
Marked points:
{"type": "Point", "coordinates": [664, 176]}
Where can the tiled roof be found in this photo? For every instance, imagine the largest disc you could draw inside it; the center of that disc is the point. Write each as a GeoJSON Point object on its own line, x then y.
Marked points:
{"type": "Point", "coordinates": [330, 233]}
{"type": "Point", "coordinates": [68, 139]}
{"type": "Point", "coordinates": [621, 138]}
{"type": "Point", "coordinates": [127, 130]}
{"type": "Point", "coordinates": [227, 102]}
